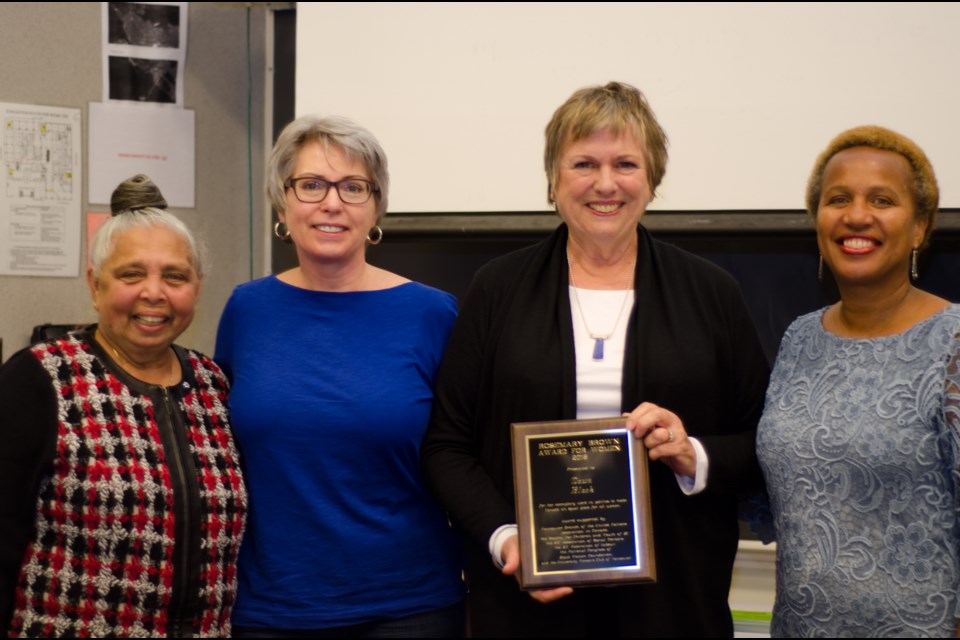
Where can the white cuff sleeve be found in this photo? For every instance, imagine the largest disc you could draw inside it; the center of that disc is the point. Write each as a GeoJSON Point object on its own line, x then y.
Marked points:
{"type": "Point", "coordinates": [696, 484]}
{"type": "Point", "coordinates": [497, 538]}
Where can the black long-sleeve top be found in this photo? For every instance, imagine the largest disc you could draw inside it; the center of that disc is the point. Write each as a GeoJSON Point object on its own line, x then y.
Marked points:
{"type": "Point", "coordinates": [691, 348]}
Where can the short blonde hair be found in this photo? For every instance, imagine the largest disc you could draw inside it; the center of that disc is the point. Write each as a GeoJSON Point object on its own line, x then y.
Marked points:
{"type": "Point", "coordinates": [925, 192]}
{"type": "Point", "coordinates": [616, 107]}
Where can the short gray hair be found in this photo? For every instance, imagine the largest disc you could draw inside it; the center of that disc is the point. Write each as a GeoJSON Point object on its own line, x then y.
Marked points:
{"type": "Point", "coordinates": [357, 143]}
{"type": "Point", "coordinates": [104, 241]}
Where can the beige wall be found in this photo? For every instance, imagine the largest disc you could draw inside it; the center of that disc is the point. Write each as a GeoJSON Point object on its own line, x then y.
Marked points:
{"type": "Point", "coordinates": [50, 54]}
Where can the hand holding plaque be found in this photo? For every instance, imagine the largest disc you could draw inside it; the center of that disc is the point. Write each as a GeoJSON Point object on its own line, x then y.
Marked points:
{"type": "Point", "coordinates": [665, 438]}
{"type": "Point", "coordinates": [583, 504]}
{"type": "Point", "coordinates": [510, 555]}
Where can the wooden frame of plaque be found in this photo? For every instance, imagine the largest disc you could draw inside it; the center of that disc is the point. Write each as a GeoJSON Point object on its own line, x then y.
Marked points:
{"type": "Point", "coordinates": [582, 492]}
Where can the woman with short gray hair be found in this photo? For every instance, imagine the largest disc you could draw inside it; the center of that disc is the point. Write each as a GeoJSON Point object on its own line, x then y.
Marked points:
{"type": "Point", "coordinates": [333, 364]}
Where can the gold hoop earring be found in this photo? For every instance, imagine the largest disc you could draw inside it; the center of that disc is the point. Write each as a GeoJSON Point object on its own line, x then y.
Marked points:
{"type": "Point", "coordinates": [914, 273]}
{"type": "Point", "coordinates": [375, 235]}
{"type": "Point", "coordinates": [281, 235]}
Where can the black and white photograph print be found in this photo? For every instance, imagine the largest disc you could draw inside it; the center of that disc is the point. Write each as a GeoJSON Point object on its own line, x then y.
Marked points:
{"type": "Point", "coordinates": [143, 25]}
{"type": "Point", "coordinates": [143, 80]}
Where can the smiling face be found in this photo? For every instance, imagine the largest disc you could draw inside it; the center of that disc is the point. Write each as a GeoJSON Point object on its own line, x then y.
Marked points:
{"type": "Point", "coordinates": [602, 189]}
{"type": "Point", "coordinates": [866, 222]}
{"type": "Point", "coordinates": [330, 231]}
{"type": "Point", "coordinates": [146, 292]}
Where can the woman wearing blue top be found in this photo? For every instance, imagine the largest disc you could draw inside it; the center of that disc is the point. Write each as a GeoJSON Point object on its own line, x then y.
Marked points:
{"type": "Point", "coordinates": [860, 434]}
{"type": "Point", "coordinates": [332, 366]}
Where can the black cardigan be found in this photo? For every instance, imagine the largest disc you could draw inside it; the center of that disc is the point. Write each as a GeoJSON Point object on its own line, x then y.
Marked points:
{"type": "Point", "coordinates": [691, 348]}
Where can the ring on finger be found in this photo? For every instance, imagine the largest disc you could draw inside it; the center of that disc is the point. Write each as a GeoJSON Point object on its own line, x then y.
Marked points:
{"type": "Point", "coordinates": [669, 435]}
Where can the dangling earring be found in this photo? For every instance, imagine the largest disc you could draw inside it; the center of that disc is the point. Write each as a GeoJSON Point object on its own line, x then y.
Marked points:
{"type": "Point", "coordinates": [375, 235]}
{"type": "Point", "coordinates": [281, 235]}
{"type": "Point", "coordinates": [914, 274]}
{"type": "Point", "coordinates": [820, 269]}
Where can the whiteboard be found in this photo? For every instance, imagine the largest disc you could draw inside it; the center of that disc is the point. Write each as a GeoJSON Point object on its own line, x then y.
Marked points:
{"type": "Point", "coordinates": [749, 94]}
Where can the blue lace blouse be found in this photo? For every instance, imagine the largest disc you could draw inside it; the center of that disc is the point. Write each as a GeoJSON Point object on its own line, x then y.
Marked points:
{"type": "Point", "coordinates": [858, 444]}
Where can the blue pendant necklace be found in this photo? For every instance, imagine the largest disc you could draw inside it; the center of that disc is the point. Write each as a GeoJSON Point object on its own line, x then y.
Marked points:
{"type": "Point", "coordinates": [599, 338]}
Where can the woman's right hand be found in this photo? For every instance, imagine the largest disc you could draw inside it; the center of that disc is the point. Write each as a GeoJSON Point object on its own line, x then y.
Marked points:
{"type": "Point", "coordinates": [510, 555]}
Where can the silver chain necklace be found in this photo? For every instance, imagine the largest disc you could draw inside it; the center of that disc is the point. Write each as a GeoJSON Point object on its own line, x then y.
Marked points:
{"type": "Point", "coordinates": [597, 337]}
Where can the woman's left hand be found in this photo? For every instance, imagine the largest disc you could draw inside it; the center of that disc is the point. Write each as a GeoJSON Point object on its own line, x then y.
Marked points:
{"type": "Point", "coordinates": [664, 436]}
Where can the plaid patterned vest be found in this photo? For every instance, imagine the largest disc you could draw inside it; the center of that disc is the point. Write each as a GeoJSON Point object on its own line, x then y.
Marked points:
{"type": "Point", "coordinates": [101, 561]}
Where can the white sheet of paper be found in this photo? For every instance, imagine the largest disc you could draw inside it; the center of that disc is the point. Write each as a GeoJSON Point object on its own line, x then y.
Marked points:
{"type": "Point", "coordinates": [129, 139]}
{"type": "Point", "coordinates": [40, 190]}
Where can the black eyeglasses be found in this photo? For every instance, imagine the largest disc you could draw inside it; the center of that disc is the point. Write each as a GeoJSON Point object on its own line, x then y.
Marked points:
{"type": "Point", "coordinates": [350, 190]}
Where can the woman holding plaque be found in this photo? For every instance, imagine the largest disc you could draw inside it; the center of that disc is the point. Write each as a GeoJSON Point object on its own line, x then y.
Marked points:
{"type": "Point", "coordinates": [333, 364]}
{"type": "Point", "coordinates": [860, 435]}
{"type": "Point", "coordinates": [601, 320]}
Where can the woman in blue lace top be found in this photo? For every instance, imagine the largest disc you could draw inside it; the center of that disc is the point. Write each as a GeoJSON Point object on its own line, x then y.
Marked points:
{"type": "Point", "coordinates": [859, 437]}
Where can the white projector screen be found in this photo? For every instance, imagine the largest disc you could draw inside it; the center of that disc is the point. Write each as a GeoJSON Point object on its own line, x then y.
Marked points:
{"type": "Point", "coordinates": [459, 93]}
